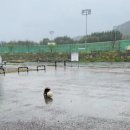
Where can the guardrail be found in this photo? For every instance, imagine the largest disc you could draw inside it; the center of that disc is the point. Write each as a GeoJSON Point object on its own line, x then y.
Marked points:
{"type": "Point", "coordinates": [27, 69]}
{"type": "Point", "coordinates": [39, 66]}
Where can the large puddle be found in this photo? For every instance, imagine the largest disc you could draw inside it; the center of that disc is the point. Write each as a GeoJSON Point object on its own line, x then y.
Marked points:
{"type": "Point", "coordinates": [91, 91]}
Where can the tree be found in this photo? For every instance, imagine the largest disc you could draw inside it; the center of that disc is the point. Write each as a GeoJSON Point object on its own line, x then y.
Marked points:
{"type": "Point", "coordinates": [63, 40]}
{"type": "Point", "coordinates": [44, 41]}
{"type": "Point", "coordinates": [102, 37]}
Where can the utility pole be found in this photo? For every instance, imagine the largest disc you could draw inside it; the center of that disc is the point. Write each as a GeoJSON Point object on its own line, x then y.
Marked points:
{"type": "Point", "coordinates": [115, 35]}
{"type": "Point", "coordinates": [115, 31]}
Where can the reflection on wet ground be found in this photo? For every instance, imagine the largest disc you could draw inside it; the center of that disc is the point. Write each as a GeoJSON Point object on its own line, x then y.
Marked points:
{"type": "Point", "coordinates": [99, 93]}
{"type": "Point", "coordinates": [48, 100]}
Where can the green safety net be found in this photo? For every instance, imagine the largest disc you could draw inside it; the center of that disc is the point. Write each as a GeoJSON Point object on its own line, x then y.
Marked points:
{"type": "Point", "coordinates": [121, 45]}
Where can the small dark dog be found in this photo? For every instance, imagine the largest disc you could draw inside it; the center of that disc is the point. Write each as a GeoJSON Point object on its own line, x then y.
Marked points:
{"type": "Point", "coordinates": [48, 92]}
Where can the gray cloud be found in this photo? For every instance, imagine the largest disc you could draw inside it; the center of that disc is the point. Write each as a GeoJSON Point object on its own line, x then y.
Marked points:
{"type": "Point", "coordinates": [33, 19]}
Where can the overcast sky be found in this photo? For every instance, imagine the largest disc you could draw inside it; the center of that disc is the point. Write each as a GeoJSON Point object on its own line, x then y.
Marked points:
{"type": "Point", "coordinates": [33, 19]}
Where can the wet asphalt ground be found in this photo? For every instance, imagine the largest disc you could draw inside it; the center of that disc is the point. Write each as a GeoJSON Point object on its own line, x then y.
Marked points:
{"type": "Point", "coordinates": [85, 98]}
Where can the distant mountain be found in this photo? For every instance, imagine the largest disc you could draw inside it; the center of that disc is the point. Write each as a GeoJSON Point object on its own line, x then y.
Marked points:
{"type": "Point", "coordinates": [124, 28]}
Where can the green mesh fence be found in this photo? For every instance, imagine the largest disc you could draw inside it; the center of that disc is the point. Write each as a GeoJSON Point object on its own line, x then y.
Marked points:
{"type": "Point", "coordinates": [85, 47]}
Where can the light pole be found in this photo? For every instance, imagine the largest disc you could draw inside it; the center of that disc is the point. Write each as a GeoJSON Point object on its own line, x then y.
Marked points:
{"type": "Point", "coordinates": [51, 33]}
{"type": "Point", "coordinates": [86, 12]}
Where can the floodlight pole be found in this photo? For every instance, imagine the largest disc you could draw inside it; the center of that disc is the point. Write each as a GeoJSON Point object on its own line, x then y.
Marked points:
{"type": "Point", "coordinates": [86, 12]}
{"type": "Point", "coordinates": [51, 33]}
